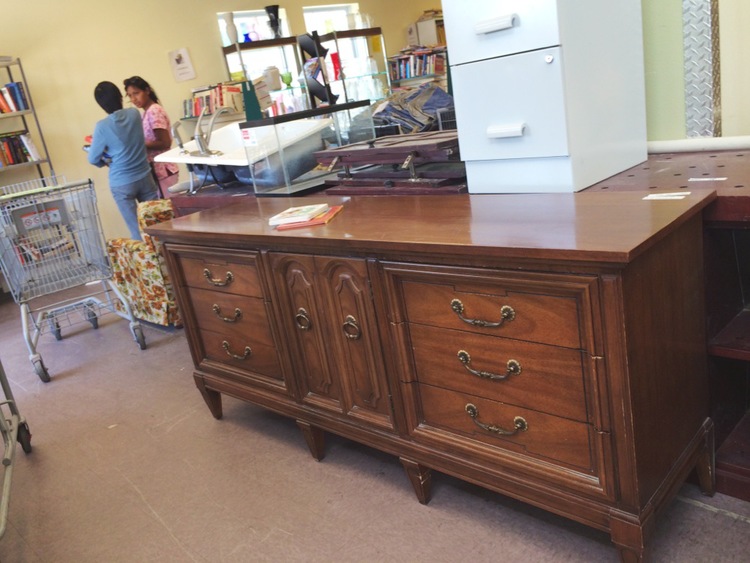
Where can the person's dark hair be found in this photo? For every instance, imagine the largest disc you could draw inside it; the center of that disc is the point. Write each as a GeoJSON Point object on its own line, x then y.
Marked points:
{"type": "Point", "coordinates": [108, 96]}
{"type": "Point", "coordinates": [138, 82]}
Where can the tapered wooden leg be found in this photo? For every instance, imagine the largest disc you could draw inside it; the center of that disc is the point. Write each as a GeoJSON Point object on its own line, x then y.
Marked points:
{"type": "Point", "coordinates": [420, 477]}
{"type": "Point", "coordinates": [315, 439]}
{"type": "Point", "coordinates": [706, 465]}
{"type": "Point", "coordinates": [211, 397]}
{"type": "Point", "coordinates": [629, 535]}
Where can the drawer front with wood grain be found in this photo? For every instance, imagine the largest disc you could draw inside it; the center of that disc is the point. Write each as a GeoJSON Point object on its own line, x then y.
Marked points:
{"type": "Point", "coordinates": [495, 310]}
{"type": "Point", "coordinates": [226, 274]}
{"type": "Point", "coordinates": [507, 430]}
{"type": "Point", "coordinates": [232, 315]}
{"type": "Point", "coordinates": [546, 378]}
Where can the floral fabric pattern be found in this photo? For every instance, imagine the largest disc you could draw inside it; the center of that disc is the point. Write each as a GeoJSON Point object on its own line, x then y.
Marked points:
{"type": "Point", "coordinates": [140, 271]}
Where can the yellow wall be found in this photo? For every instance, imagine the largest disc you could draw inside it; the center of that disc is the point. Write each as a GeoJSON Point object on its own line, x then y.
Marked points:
{"type": "Point", "coordinates": [67, 47]}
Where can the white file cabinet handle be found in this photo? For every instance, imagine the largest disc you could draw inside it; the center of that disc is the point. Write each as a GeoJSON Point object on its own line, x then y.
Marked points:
{"type": "Point", "coordinates": [506, 131]}
{"type": "Point", "coordinates": [495, 24]}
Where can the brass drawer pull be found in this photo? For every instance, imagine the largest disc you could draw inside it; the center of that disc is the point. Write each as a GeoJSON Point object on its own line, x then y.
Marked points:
{"type": "Point", "coordinates": [519, 423]}
{"type": "Point", "coordinates": [217, 282]}
{"type": "Point", "coordinates": [303, 319]}
{"type": "Point", "coordinates": [506, 314]}
{"type": "Point", "coordinates": [514, 368]}
{"type": "Point", "coordinates": [351, 328]}
{"type": "Point", "coordinates": [248, 351]}
{"type": "Point", "coordinates": [237, 314]}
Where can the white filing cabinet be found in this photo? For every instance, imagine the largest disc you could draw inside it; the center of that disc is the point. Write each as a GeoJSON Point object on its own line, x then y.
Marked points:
{"type": "Point", "coordinates": [549, 94]}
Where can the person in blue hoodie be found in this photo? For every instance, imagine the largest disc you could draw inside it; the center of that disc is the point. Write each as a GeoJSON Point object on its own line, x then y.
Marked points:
{"type": "Point", "coordinates": [118, 142]}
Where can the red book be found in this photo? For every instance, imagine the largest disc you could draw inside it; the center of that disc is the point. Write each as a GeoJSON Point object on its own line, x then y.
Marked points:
{"type": "Point", "coordinates": [319, 220]}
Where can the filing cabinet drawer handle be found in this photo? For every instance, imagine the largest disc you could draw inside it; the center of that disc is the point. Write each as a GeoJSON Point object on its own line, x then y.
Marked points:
{"type": "Point", "coordinates": [499, 23]}
{"type": "Point", "coordinates": [303, 319]}
{"type": "Point", "coordinates": [237, 314]}
{"type": "Point", "coordinates": [231, 354]}
{"type": "Point", "coordinates": [351, 328]}
{"type": "Point", "coordinates": [215, 281]}
{"type": "Point", "coordinates": [506, 314]}
{"type": "Point", "coordinates": [514, 368]}
{"type": "Point", "coordinates": [506, 131]}
{"type": "Point", "coordinates": [519, 423]}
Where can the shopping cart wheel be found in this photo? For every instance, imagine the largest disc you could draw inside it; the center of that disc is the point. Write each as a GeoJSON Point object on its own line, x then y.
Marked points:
{"type": "Point", "coordinates": [24, 437]}
{"type": "Point", "coordinates": [41, 371]}
{"type": "Point", "coordinates": [54, 328]}
{"type": "Point", "coordinates": [91, 316]}
{"type": "Point", "coordinates": [139, 338]}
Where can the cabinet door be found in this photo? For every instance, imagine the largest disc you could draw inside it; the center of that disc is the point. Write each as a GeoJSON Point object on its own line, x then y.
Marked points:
{"type": "Point", "coordinates": [358, 360]}
{"type": "Point", "coordinates": [327, 308]}
{"type": "Point", "coordinates": [305, 326]}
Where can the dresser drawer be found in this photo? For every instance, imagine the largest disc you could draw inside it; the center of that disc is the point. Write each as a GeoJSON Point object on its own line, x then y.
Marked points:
{"type": "Point", "coordinates": [495, 311]}
{"type": "Point", "coordinates": [240, 351]}
{"type": "Point", "coordinates": [232, 315]}
{"type": "Point", "coordinates": [466, 419]}
{"type": "Point", "coordinates": [493, 28]}
{"type": "Point", "coordinates": [544, 378]}
{"type": "Point", "coordinates": [511, 107]}
{"type": "Point", "coordinates": [235, 274]}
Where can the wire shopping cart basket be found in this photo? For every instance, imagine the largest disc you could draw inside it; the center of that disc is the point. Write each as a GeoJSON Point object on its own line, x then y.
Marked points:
{"type": "Point", "coordinates": [52, 244]}
{"type": "Point", "coordinates": [13, 428]}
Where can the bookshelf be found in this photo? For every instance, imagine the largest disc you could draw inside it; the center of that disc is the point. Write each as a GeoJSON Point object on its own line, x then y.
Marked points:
{"type": "Point", "coordinates": [415, 66]}
{"type": "Point", "coordinates": [22, 146]}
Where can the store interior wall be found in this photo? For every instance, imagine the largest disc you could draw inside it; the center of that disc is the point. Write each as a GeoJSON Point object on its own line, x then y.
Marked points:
{"type": "Point", "coordinates": [68, 47]}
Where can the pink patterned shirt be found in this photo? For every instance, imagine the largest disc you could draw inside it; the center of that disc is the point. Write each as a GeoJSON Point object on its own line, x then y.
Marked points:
{"type": "Point", "coordinates": [156, 118]}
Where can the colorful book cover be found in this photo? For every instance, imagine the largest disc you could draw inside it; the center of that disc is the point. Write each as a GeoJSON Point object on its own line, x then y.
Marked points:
{"type": "Point", "coordinates": [319, 220]}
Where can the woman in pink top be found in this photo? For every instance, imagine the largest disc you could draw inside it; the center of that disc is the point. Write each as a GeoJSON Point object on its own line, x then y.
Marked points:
{"type": "Point", "coordinates": [156, 129]}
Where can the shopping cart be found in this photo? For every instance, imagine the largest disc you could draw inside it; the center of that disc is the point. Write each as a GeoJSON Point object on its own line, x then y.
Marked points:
{"type": "Point", "coordinates": [13, 428]}
{"type": "Point", "coordinates": [51, 244]}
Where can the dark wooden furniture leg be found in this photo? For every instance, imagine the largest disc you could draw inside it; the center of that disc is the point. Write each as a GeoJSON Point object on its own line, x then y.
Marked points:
{"type": "Point", "coordinates": [420, 477]}
{"type": "Point", "coordinates": [211, 397]}
{"type": "Point", "coordinates": [315, 439]}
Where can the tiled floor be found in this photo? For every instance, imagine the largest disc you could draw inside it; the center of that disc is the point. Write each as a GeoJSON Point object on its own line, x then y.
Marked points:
{"type": "Point", "coordinates": [128, 465]}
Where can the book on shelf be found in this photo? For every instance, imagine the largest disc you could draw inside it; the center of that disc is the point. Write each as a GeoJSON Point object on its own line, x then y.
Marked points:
{"type": "Point", "coordinates": [321, 219]}
{"type": "Point", "coordinates": [18, 95]}
{"type": "Point", "coordinates": [8, 98]}
{"type": "Point", "coordinates": [298, 214]}
{"type": "Point", "coordinates": [4, 107]}
{"type": "Point", "coordinates": [225, 94]}
{"type": "Point", "coordinates": [17, 147]}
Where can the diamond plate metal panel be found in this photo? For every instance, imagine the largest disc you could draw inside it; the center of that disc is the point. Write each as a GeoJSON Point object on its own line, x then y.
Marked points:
{"type": "Point", "coordinates": [701, 66]}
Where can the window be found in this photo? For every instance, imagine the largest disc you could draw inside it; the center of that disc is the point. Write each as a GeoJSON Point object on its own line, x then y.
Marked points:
{"type": "Point", "coordinates": [252, 25]}
{"type": "Point", "coordinates": [330, 17]}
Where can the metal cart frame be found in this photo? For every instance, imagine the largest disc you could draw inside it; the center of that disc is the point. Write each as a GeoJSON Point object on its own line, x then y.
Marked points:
{"type": "Point", "coordinates": [51, 242]}
{"type": "Point", "coordinates": [13, 428]}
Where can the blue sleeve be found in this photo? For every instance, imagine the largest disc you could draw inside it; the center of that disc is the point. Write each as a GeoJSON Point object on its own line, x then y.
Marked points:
{"type": "Point", "coordinates": [98, 147]}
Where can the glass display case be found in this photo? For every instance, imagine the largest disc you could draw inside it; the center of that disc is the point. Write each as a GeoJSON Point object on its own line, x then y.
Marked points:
{"type": "Point", "coordinates": [277, 58]}
{"type": "Point", "coordinates": [281, 150]}
{"type": "Point", "coordinates": [357, 64]}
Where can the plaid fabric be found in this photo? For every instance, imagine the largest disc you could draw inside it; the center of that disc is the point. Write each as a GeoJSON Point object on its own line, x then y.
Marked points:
{"type": "Point", "coordinates": [139, 269]}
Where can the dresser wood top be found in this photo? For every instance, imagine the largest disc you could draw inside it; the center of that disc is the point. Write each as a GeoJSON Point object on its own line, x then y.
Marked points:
{"type": "Point", "coordinates": [612, 227]}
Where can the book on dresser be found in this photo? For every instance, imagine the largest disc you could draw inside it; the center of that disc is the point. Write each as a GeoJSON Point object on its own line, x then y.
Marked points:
{"type": "Point", "coordinates": [298, 214]}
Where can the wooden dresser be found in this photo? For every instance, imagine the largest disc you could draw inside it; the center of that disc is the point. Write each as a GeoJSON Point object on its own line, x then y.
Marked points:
{"type": "Point", "coordinates": [547, 347]}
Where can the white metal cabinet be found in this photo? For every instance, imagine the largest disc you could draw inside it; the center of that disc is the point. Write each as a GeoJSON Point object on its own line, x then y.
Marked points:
{"type": "Point", "coordinates": [549, 94]}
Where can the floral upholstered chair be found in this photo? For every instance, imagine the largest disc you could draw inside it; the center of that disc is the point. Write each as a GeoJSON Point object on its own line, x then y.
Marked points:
{"type": "Point", "coordinates": [139, 269]}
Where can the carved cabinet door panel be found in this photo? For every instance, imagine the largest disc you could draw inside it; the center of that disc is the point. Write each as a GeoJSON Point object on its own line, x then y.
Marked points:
{"type": "Point", "coordinates": [302, 316]}
{"type": "Point", "coordinates": [345, 289]}
{"type": "Point", "coordinates": [328, 312]}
